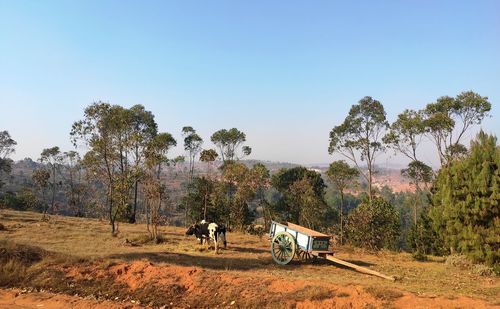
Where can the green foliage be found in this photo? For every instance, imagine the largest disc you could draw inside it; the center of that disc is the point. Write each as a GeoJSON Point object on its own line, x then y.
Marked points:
{"type": "Point", "coordinates": [5, 168]}
{"type": "Point", "coordinates": [41, 178]}
{"type": "Point", "coordinates": [241, 190]}
{"type": "Point", "coordinates": [7, 145]}
{"type": "Point", "coordinates": [291, 206]}
{"type": "Point", "coordinates": [373, 225]}
{"type": "Point", "coordinates": [28, 200]}
{"type": "Point", "coordinates": [447, 120]}
{"type": "Point", "coordinates": [311, 207]}
{"type": "Point", "coordinates": [418, 172]}
{"type": "Point", "coordinates": [342, 176]}
{"type": "Point", "coordinates": [228, 142]}
{"type": "Point", "coordinates": [361, 133]}
{"type": "Point", "coordinates": [227, 200]}
{"type": "Point", "coordinates": [192, 144]}
{"type": "Point", "coordinates": [122, 144]}
{"type": "Point", "coordinates": [406, 132]}
{"type": "Point", "coordinates": [22, 200]}
{"type": "Point", "coordinates": [208, 155]}
{"type": "Point", "coordinates": [423, 239]}
{"type": "Point", "coordinates": [466, 198]}
{"type": "Point", "coordinates": [198, 198]}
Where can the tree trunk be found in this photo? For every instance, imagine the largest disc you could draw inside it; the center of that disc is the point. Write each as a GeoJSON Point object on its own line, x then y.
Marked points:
{"type": "Point", "coordinates": [136, 185]}
{"type": "Point", "coordinates": [134, 210]}
{"type": "Point", "coordinates": [205, 207]}
{"type": "Point", "coordinates": [53, 187]}
{"type": "Point", "coordinates": [417, 197]}
{"type": "Point", "coordinates": [341, 217]}
{"type": "Point", "coordinates": [370, 180]}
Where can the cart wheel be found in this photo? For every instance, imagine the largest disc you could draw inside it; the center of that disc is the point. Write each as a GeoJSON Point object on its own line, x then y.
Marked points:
{"type": "Point", "coordinates": [283, 248]}
{"type": "Point", "coordinates": [305, 256]}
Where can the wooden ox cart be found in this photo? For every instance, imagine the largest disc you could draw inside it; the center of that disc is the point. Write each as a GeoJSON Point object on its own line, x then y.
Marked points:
{"type": "Point", "coordinates": [290, 240]}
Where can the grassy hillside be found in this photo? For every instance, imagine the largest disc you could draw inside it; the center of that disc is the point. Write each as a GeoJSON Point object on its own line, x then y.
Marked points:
{"type": "Point", "coordinates": [79, 256]}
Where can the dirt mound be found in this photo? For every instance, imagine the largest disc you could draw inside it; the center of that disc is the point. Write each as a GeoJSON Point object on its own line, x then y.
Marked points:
{"type": "Point", "coordinates": [183, 286]}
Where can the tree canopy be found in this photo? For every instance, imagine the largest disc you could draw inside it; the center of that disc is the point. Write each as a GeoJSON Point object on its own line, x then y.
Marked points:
{"type": "Point", "coordinates": [359, 137]}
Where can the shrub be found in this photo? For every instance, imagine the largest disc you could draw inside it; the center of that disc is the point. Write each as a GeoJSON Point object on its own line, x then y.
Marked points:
{"type": "Point", "coordinates": [483, 270]}
{"type": "Point", "coordinates": [12, 272]}
{"type": "Point", "coordinates": [457, 260]}
{"type": "Point", "coordinates": [419, 256]}
{"type": "Point", "coordinates": [383, 293]}
{"type": "Point", "coordinates": [14, 261]}
{"type": "Point", "coordinates": [373, 225]}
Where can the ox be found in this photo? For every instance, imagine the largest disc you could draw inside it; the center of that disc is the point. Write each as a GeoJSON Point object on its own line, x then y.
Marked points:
{"type": "Point", "coordinates": [205, 232]}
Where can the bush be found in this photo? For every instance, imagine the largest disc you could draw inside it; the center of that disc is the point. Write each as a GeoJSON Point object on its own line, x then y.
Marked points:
{"type": "Point", "coordinates": [419, 256]}
{"type": "Point", "coordinates": [373, 225]}
{"type": "Point", "coordinates": [15, 260]}
{"type": "Point", "coordinates": [457, 260]}
{"type": "Point", "coordinates": [483, 270]}
{"type": "Point", "coordinates": [12, 272]}
{"type": "Point", "coordinates": [22, 200]}
{"type": "Point", "coordinates": [383, 293]}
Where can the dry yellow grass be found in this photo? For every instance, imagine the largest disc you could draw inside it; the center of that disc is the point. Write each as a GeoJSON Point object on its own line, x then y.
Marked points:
{"type": "Point", "coordinates": [91, 239]}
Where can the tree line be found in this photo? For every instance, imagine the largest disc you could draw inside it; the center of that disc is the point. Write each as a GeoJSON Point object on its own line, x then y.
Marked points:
{"type": "Point", "coordinates": [453, 208]}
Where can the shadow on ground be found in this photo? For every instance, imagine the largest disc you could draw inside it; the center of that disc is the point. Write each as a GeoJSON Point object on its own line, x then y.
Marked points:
{"type": "Point", "coordinates": [210, 261]}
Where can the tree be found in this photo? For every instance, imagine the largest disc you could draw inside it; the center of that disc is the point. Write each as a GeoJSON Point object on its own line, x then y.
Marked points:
{"type": "Point", "coordinates": [7, 147]}
{"type": "Point", "coordinates": [418, 172]}
{"type": "Point", "coordinates": [199, 198]}
{"type": "Point", "coordinates": [289, 203]}
{"type": "Point", "coordinates": [359, 137]}
{"type": "Point", "coordinates": [52, 157]}
{"type": "Point", "coordinates": [27, 199]}
{"type": "Point", "coordinates": [311, 207]}
{"type": "Point", "coordinates": [106, 130]}
{"type": "Point", "coordinates": [75, 190]}
{"type": "Point", "coordinates": [41, 178]}
{"type": "Point", "coordinates": [465, 202]}
{"type": "Point", "coordinates": [404, 136]}
{"type": "Point", "coordinates": [373, 225]}
{"type": "Point", "coordinates": [448, 119]}
{"type": "Point", "coordinates": [7, 144]}
{"type": "Point", "coordinates": [260, 177]}
{"type": "Point", "coordinates": [192, 144]}
{"type": "Point", "coordinates": [423, 238]}
{"type": "Point", "coordinates": [342, 176]}
{"type": "Point", "coordinates": [155, 191]}
{"type": "Point", "coordinates": [208, 156]}
{"type": "Point", "coordinates": [228, 142]}
{"type": "Point", "coordinates": [144, 129]}
{"type": "Point", "coordinates": [240, 192]}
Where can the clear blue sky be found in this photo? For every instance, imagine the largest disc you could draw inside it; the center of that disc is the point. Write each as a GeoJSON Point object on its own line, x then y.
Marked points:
{"type": "Point", "coordinates": [284, 72]}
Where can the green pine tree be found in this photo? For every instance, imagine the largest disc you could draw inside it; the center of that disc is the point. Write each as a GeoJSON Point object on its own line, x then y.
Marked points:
{"type": "Point", "coordinates": [466, 200]}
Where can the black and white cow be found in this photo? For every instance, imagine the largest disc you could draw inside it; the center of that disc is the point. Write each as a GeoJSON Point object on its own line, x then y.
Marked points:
{"type": "Point", "coordinates": [205, 232]}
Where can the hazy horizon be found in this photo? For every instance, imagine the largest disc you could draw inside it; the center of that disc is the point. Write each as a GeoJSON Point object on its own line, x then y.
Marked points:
{"type": "Point", "coordinates": [283, 74]}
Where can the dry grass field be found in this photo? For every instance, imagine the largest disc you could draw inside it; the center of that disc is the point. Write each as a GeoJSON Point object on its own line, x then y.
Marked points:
{"type": "Point", "coordinates": [76, 261]}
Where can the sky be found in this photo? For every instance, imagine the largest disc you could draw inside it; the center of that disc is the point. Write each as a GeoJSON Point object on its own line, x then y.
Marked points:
{"type": "Point", "coordinates": [283, 72]}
